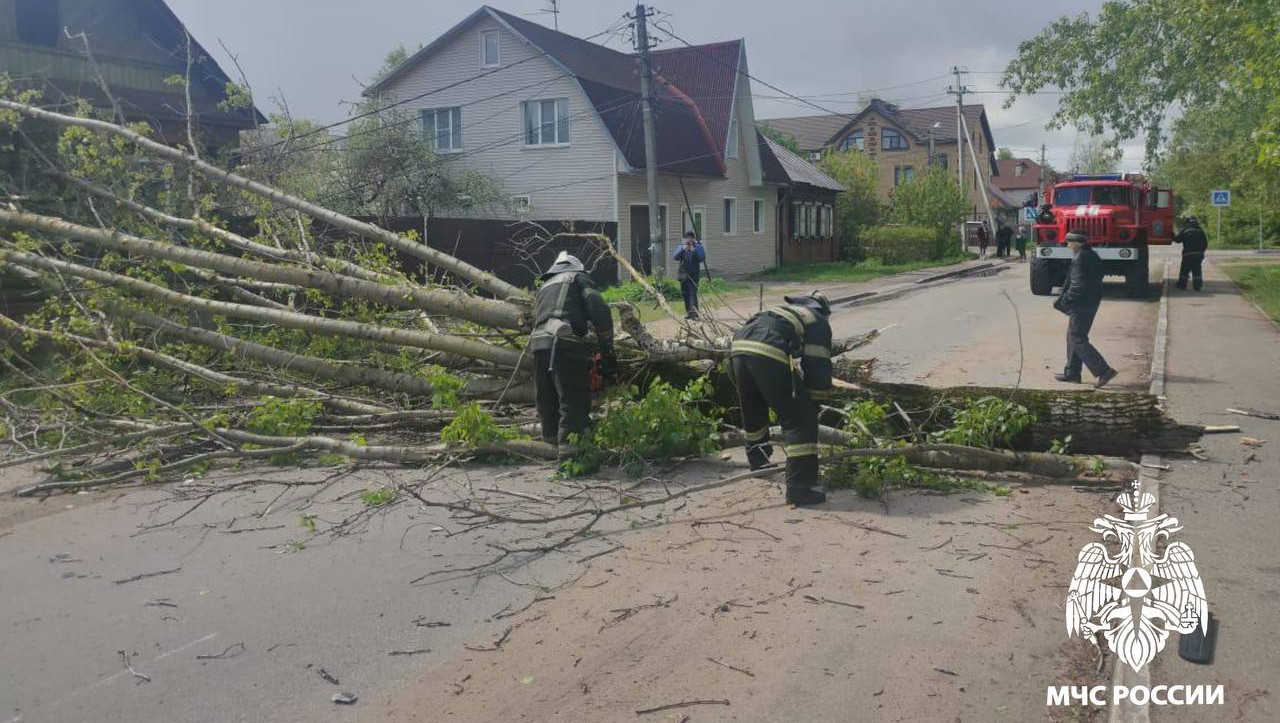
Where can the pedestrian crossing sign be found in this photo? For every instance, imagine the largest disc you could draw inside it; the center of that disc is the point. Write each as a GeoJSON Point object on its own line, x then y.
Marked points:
{"type": "Point", "coordinates": [1028, 215]}
{"type": "Point", "coordinates": [1221, 198]}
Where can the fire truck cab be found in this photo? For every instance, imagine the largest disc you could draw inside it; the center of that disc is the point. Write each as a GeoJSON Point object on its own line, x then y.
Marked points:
{"type": "Point", "coordinates": [1122, 214]}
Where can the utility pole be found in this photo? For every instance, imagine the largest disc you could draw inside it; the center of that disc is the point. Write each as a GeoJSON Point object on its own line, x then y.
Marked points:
{"type": "Point", "coordinates": [657, 243]}
{"type": "Point", "coordinates": [1042, 162]}
{"type": "Point", "coordinates": [958, 90]}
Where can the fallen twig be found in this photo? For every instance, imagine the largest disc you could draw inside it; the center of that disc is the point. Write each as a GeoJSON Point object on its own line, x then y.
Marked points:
{"type": "Point", "coordinates": [682, 704]}
{"type": "Point", "coordinates": [146, 575]}
{"type": "Point", "coordinates": [226, 653]}
{"type": "Point", "coordinates": [1254, 413]}
{"type": "Point", "coordinates": [410, 652]}
{"type": "Point", "coordinates": [820, 600]}
{"type": "Point", "coordinates": [142, 677]}
{"type": "Point", "coordinates": [497, 644]}
{"type": "Point", "coordinates": [744, 671]}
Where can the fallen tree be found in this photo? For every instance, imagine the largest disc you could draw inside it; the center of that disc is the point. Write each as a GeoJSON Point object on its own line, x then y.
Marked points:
{"type": "Point", "coordinates": [168, 343]}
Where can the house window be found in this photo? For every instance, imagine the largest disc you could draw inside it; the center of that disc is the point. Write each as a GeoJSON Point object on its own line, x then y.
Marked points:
{"type": "Point", "coordinates": [731, 149]}
{"type": "Point", "coordinates": [546, 122]}
{"type": "Point", "coordinates": [757, 216]}
{"type": "Point", "coordinates": [903, 174]}
{"type": "Point", "coordinates": [891, 140]}
{"type": "Point", "coordinates": [38, 22]}
{"type": "Point", "coordinates": [940, 160]}
{"type": "Point", "coordinates": [853, 140]}
{"type": "Point", "coordinates": [808, 220]}
{"type": "Point", "coordinates": [730, 223]}
{"type": "Point", "coordinates": [521, 204]}
{"type": "Point", "coordinates": [691, 220]}
{"type": "Point", "coordinates": [442, 127]}
{"type": "Point", "coordinates": [489, 57]}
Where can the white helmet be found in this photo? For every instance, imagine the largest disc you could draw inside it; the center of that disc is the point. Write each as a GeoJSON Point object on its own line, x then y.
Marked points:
{"type": "Point", "coordinates": [564, 262]}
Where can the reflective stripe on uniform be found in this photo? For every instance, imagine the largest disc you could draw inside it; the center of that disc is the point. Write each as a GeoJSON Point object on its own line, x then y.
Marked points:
{"type": "Point", "coordinates": [789, 314]}
{"type": "Point", "coordinates": [820, 394]}
{"type": "Point", "coordinates": [756, 436]}
{"type": "Point", "coordinates": [817, 350]}
{"type": "Point", "coordinates": [806, 314]}
{"type": "Point", "coordinates": [759, 348]}
{"type": "Point", "coordinates": [801, 450]}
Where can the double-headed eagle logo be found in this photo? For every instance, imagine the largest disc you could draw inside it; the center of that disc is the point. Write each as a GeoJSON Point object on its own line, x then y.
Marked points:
{"type": "Point", "coordinates": [1136, 597]}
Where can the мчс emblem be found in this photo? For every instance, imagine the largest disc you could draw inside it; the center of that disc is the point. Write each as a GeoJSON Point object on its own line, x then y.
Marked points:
{"type": "Point", "coordinates": [1135, 598]}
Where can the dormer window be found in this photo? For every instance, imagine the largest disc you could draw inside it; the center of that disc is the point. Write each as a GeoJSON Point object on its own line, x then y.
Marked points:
{"type": "Point", "coordinates": [1019, 169]}
{"type": "Point", "coordinates": [489, 54]}
{"type": "Point", "coordinates": [891, 140]}
{"type": "Point", "coordinates": [853, 140]}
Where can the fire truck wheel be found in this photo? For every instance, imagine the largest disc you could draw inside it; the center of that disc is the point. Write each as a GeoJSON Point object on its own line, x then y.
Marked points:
{"type": "Point", "coordinates": [1137, 281]}
{"type": "Point", "coordinates": [1041, 276]}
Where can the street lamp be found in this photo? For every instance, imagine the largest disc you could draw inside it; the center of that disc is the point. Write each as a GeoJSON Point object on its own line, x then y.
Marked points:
{"type": "Point", "coordinates": [932, 155]}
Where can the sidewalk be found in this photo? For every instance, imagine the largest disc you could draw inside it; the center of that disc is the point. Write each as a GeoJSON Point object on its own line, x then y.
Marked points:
{"type": "Point", "coordinates": [733, 309]}
{"type": "Point", "coordinates": [1224, 353]}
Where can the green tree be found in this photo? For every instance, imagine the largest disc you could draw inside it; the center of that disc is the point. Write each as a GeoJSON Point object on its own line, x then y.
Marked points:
{"type": "Point", "coordinates": [859, 206]}
{"type": "Point", "coordinates": [1092, 154]}
{"type": "Point", "coordinates": [932, 199]}
{"type": "Point", "coordinates": [1004, 154]}
{"type": "Point", "coordinates": [786, 140]}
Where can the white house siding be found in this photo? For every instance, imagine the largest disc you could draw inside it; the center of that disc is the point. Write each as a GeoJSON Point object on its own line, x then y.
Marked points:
{"type": "Point", "coordinates": [582, 172]}
{"type": "Point", "coordinates": [745, 251]}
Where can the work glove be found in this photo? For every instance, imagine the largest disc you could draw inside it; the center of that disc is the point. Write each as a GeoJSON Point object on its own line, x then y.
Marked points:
{"type": "Point", "coordinates": [608, 364]}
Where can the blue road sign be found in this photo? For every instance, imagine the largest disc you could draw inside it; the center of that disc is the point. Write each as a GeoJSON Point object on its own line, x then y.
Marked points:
{"type": "Point", "coordinates": [1221, 198]}
{"type": "Point", "coordinates": [1029, 215]}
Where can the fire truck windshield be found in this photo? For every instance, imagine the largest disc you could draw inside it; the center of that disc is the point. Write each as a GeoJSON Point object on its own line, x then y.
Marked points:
{"type": "Point", "coordinates": [1096, 195]}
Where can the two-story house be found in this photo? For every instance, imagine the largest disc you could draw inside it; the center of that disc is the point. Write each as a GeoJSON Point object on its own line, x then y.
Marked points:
{"type": "Point", "coordinates": [136, 46]}
{"type": "Point", "coordinates": [557, 121]}
{"type": "Point", "coordinates": [900, 140]}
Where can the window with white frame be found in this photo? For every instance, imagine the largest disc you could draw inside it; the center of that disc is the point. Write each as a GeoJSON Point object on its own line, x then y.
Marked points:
{"type": "Point", "coordinates": [691, 220]}
{"type": "Point", "coordinates": [808, 220]}
{"type": "Point", "coordinates": [729, 224]}
{"type": "Point", "coordinates": [757, 216]}
{"type": "Point", "coordinates": [731, 146]}
{"type": "Point", "coordinates": [442, 127]}
{"type": "Point", "coordinates": [546, 122]}
{"type": "Point", "coordinates": [489, 52]}
{"type": "Point", "coordinates": [521, 203]}
{"type": "Point", "coordinates": [820, 228]}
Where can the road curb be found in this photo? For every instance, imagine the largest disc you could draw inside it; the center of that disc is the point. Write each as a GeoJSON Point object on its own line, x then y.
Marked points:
{"type": "Point", "coordinates": [1148, 483]}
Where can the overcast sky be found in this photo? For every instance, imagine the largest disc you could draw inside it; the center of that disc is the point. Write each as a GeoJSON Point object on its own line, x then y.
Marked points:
{"type": "Point", "coordinates": [310, 52]}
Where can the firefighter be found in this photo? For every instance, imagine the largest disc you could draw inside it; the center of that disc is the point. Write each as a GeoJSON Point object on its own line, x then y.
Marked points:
{"type": "Point", "coordinates": [762, 362]}
{"type": "Point", "coordinates": [1194, 243]}
{"type": "Point", "coordinates": [1046, 214]}
{"type": "Point", "coordinates": [567, 302]}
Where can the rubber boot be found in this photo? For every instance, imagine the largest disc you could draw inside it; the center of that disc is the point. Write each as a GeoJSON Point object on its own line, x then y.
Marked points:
{"type": "Point", "coordinates": [802, 477]}
{"type": "Point", "coordinates": [803, 496]}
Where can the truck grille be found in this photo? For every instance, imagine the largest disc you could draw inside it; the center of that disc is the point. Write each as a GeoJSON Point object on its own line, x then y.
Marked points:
{"type": "Point", "coordinates": [1095, 227]}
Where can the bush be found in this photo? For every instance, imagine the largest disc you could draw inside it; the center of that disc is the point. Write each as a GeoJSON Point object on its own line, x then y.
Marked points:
{"type": "Point", "coordinates": [900, 244]}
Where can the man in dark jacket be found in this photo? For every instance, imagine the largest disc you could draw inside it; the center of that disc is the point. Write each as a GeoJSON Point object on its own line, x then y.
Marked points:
{"type": "Point", "coordinates": [566, 304]}
{"type": "Point", "coordinates": [1080, 299]}
{"type": "Point", "coordinates": [690, 256]}
{"type": "Point", "coordinates": [761, 358]}
{"type": "Point", "coordinates": [1004, 239]}
{"type": "Point", "coordinates": [1194, 242]}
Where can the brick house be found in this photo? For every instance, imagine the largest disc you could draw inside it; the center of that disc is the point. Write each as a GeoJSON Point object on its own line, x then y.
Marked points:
{"type": "Point", "coordinates": [899, 140]}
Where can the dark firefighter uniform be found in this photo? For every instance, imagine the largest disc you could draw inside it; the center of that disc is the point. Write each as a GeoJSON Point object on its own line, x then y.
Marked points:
{"type": "Point", "coordinates": [1194, 243]}
{"type": "Point", "coordinates": [567, 302]}
{"type": "Point", "coordinates": [762, 360]}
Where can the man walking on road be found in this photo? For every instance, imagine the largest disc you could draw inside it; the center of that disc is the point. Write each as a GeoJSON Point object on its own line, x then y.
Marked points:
{"type": "Point", "coordinates": [1194, 243]}
{"type": "Point", "coordinates": [1080, 300]}
{"type": "Point", "coordinates": [690, 256]}
{"type": "Point", "coordinates": [761, 359]}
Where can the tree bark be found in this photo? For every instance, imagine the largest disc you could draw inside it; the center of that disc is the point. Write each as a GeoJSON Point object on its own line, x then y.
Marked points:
{"type": "Point", "coordinates": [455, 304]}
{"type": "Point", "coordinates": [292, 320]}
{"type": "Point", "coordinates": [455, 266]}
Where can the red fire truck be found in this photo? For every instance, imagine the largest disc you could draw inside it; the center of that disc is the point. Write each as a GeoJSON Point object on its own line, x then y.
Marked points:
{"type": "Point", "coordinates": [1122, 213]}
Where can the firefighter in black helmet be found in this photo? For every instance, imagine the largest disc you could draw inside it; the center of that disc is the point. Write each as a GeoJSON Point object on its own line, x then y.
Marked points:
{"type": "Point", "coordinates": [567, 302]}
{"type": "Point", "coordinates": [762, 359]}
{"type": "Point", "coordinates": [1194, 243]}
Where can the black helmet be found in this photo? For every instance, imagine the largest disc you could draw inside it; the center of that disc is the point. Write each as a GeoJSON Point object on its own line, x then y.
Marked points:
{"type": "Point", "coordinates": [1078, 236]}
{"type": "Point", "coordinates": [1191, 220]}
{"type": "Point", "coordinates": [815, 300]}
{"type": "Point", "coordinates": [564, 262]}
